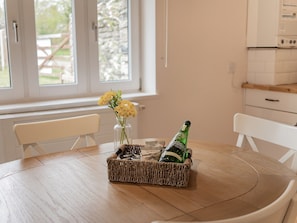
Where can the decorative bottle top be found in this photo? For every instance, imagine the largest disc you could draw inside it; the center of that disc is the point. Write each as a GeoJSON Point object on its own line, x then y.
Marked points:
{"type": "Point", "coordinates": [176, 150]}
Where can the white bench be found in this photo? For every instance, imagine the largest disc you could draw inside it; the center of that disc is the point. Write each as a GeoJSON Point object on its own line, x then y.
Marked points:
{"type": "Point", "coordinates": [32, 133]}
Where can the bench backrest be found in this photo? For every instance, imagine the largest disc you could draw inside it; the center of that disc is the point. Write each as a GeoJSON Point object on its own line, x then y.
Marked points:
{"type": "Point", "coordinates": [281, 134]}
{"type": "Point", "coordinates": [30, 134]}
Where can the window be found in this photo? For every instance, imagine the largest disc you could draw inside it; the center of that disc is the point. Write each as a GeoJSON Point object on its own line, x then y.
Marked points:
{"type": "Point", "coordinates": [4, 68]}
{"type": "Point", "coordinates": [57, 49]}
{"type": "Point", "coordinates": [113, 31]}
{"type": "Point", "coordinates": [53, 23]}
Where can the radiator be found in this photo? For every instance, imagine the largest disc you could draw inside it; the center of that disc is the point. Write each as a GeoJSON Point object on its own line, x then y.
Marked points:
{"type": "Point", "coordinates": [11, 150]}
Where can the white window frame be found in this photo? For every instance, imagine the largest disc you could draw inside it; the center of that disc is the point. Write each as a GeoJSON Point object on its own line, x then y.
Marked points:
{"type": "Point", "coordinates": [17, 87]}
{"type": "Point", "coordinates": [25, 68]}
{"type": "Point", "coordinates": [80, 58]}
{"type": "Point", "coordinates": [134, 44]}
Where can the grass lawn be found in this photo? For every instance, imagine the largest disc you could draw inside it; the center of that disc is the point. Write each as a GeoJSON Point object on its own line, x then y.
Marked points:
{"type": "Point", "coordinates": [4, 79]}
{"type": "Point", "coordinates": [43, 80]}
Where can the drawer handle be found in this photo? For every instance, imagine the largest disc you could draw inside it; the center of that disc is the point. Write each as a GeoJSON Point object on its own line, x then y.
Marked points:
{"type": "Point", "coordinates": [272, 100]}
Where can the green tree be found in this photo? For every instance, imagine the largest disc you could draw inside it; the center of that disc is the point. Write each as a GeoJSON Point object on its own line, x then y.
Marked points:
{"type": "Point", "coordinates": [52, 16]}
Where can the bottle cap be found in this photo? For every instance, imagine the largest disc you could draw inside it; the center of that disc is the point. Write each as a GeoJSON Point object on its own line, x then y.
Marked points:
{"type": "Point", "coordinates": [187, 123]}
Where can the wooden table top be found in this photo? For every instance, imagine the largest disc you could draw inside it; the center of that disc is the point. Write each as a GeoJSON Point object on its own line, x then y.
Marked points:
{"type": "Point", "coordinates": [74, 187]}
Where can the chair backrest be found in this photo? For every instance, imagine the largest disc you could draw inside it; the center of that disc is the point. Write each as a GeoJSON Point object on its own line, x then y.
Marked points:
{"type": "Point", "coordinates": [281, 134]}
{"type": "Point", "coordinates": [32, 133]}
{"type": "Point", "coordinates": [279, 211]}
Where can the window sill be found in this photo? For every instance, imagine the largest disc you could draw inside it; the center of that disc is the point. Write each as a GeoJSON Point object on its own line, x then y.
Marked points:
{"type": "Point", "coordinates": [64, 103]}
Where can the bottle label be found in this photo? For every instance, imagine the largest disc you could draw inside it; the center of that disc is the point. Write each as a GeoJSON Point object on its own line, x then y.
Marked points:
{"type": "Point", "coordinates": [169, 153]}
{"type": "Point", "coordinates": [176, 151]}
{"type": "Point", "coordinates": [179, 145]}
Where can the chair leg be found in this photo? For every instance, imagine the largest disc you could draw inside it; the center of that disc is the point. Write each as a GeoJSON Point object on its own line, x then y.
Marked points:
{"type": "Point", "coordinates": [26, 151]}
{"type": "Point", "coordinates": [90, 140]}
{"type": "Point", "coordinates": [76, 143]}
{"type": "Point", "coordinates": [38, 148]}
{"type": "Point", "coordinates": [294, 162]}
{"type": "Point", "coordinates": [252, 143]}
{"type": "Point", "coordinates": [240, 140]}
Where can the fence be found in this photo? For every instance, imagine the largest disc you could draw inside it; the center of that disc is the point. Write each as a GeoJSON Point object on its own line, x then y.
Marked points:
{"type": "Point", "coordinates": [54, 55]}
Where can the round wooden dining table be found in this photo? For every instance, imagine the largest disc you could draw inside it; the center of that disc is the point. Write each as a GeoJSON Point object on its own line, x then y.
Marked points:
{"type": "Point", "coordinates": [73, 186]}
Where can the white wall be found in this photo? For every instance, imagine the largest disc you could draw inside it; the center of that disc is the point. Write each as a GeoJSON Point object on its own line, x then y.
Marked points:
{"type": "Point", "coordinates": [206, 38]}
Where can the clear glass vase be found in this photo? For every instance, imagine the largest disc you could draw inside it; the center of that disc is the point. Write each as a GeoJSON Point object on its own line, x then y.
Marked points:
{"type": "Point", "coordinates": [122, 132]}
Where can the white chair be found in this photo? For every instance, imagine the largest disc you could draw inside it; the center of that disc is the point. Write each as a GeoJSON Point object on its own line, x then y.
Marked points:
{"type": "Point", "coordinates": [284, 135]}
{"type": "Point", "coordinates": [82, 127]}
{"type": "Point", "coordinates": [282, 210]}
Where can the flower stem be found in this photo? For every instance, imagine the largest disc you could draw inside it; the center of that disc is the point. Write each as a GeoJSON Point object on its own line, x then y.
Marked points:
{"type": "Point", "coordinates": [123, 135]}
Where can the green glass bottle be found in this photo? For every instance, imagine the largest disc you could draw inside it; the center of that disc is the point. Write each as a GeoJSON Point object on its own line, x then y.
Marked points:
{"type": "Point", "coordinates": [176, 150]}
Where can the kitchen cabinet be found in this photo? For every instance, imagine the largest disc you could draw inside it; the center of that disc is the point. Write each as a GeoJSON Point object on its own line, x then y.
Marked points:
{"type": "Point", "coordinates": [278, 103]}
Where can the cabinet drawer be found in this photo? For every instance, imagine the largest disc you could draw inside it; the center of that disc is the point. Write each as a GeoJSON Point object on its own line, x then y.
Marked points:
{"type": "Point", "coordinates": [272, 100]}
{"type": "Point", "coordinates": [279, 116]}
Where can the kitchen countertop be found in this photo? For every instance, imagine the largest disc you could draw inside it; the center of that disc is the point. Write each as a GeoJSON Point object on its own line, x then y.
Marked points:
{"type": "Point", "coordinates": [286, 88]}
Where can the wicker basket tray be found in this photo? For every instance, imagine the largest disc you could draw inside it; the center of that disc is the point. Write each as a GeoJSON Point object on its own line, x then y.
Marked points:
{"type": "Point", "coordinates": [148, 171]}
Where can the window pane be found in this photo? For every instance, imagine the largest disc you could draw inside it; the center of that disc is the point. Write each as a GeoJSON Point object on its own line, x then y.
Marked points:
{"type": "Point", "coordinates": [4, 68]}
{"type": "Point", "coordinates": [113, 40]}
{"type": "Point", "coordinates": [53, 20]}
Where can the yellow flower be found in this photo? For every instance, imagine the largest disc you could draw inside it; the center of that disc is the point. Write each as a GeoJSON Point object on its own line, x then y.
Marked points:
{"type": "Point", "coordinates": [106, 98]}
{"type": "Point", "coordinates": [126, 109]}
{"type": "Point", "coordinates": [122, 109]}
